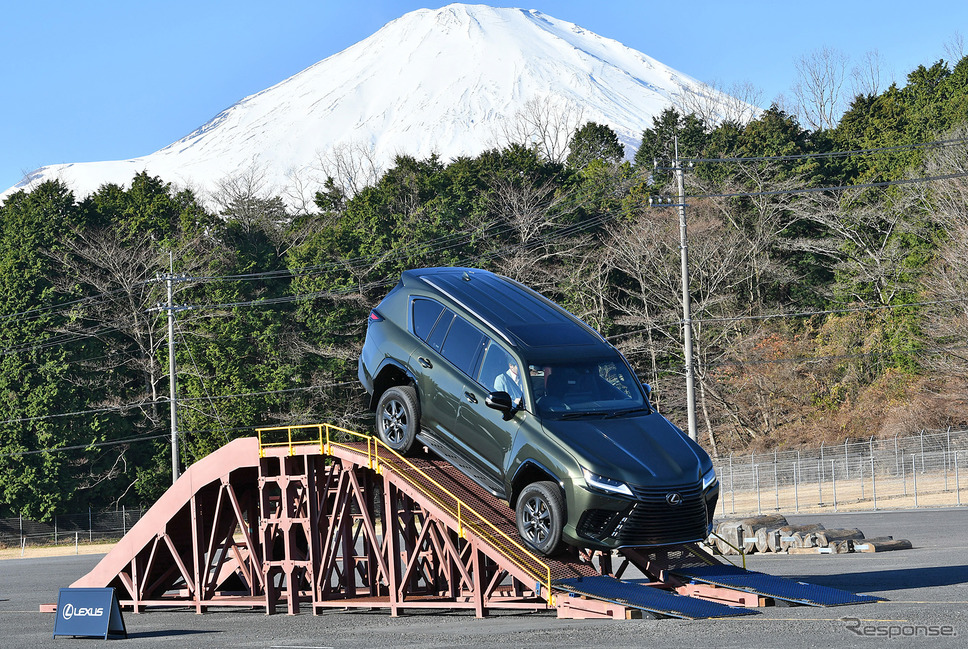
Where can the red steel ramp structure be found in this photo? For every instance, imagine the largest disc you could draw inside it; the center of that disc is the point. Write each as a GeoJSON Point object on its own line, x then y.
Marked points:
{"type": "Point", "coordinates": [328, 518]}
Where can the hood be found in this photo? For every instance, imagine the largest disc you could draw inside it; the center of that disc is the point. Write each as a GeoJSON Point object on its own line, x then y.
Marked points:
{"type": "Point", "coordinates": [644, 450]}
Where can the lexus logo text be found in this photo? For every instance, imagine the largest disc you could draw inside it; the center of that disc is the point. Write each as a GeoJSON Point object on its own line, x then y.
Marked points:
{"type": "Point", "coordinates": [70, 611]}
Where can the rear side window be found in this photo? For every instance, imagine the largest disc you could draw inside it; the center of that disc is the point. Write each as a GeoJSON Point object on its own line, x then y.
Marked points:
{"type": "Point", "coordinates": [425, 315]}
{"type": "Point", "coordinates": [436, 337]}
{"type": "Point", "coordinates": [463, 346]}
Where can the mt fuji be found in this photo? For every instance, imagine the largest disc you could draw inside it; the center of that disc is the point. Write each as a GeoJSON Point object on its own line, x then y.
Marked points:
{"type": "Point", "coordinates": [452, 82]}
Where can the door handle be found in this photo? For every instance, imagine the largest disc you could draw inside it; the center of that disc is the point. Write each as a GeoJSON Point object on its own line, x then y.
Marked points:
{"type": "Point", "coordinates": [426, 363]}
{"type": "Point", "coordinates": [470, 396]}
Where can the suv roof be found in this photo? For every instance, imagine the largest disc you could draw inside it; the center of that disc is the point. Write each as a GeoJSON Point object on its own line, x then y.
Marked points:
{"type": "Point", "coordinates": [524, 318]}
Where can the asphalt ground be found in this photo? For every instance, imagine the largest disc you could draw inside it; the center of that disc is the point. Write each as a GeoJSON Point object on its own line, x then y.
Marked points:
{"type": "Point", "coordinates": [927, 588]}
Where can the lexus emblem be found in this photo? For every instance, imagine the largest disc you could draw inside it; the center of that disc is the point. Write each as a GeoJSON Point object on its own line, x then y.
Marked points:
{"type": "Point", "coordinates": [674, 498]}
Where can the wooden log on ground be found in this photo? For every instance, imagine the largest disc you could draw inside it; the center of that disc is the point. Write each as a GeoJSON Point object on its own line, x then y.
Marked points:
{"type": "Point", "coordinates": [785, 537]}
{"type": "Point", "coordinates": [882, 544]}
{"type": "Point", "coordinates": [827, 537]}
{"type": "Point", "coordinates": [710, 544]}
{"type": "Point", "coordinates": [729, 533]}
{"type": "Point", "coordinates": [811, 550]}
{"type": "Point", "coordinates": [751, 525]}
{"type": "Point", "coordinates": [804, 540]}
{"type": "Point", "coordinates": [842, 547]}
{"type": "Point", "coordinates": [766, 539]}
{"type": "Point", "coordinates": [767, 520]}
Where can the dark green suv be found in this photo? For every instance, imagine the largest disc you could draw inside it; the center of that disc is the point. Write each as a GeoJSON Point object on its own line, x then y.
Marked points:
{"type": "Point", "coordinates": [536, 407]}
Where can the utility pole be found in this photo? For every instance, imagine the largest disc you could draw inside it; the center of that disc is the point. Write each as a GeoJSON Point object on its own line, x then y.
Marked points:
{"type": "Point", "coordinates": [170, 309]}
{"type": "Point", "coordinates": [686, 302]}
{"type": "Point", "coordinates": [171, 369]}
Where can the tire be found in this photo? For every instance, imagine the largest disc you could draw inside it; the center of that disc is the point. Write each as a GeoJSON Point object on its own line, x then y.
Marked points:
{"type": "Point", "coordinates": [540, 516]}
{"type": "Point", "coordinates": [398, 417]}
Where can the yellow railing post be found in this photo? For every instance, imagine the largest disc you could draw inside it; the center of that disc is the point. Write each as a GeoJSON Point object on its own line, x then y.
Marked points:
{"type": "Point", "coordinates": [460, 522]}
{"type": "Point", "coordinates": [741, 552]}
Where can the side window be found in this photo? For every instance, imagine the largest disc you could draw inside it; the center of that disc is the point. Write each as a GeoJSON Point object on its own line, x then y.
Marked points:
{"type": "Point", "coordinates": [436, 337]}
{"type": "Point", "coordinates": [463, 345]}
{"type": "Point", "coordinates": [494, 366]}
{"type": "Point", "coordinates": [425, 315]}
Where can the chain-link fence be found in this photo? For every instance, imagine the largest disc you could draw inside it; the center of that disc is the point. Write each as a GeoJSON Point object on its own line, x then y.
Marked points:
{"type": "Point", "coordinates": [68, 529]}
{"type": "Point", "coordinates": [921, 470]}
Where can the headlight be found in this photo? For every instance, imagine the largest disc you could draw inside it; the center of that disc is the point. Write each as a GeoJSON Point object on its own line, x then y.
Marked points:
{"type": "Point", "coordinates": [596, 481]}
{"type": "Point", "coordinates": [708, 479]}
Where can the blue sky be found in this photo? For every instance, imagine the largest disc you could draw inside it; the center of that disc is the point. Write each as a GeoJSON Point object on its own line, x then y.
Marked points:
{"type": "Point", "coordinates": [107, 80]}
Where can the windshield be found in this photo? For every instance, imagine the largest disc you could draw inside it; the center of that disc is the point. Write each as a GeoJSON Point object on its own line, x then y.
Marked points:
{"type": "Point", "coordinates": [585, 387]}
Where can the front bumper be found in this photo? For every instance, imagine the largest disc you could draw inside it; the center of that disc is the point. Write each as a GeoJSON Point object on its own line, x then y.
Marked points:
{"type": "Point", "coordinates": [653, 518]}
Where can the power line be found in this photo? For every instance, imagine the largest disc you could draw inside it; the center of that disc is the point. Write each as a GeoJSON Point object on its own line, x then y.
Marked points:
{"type": "Point", "coordinates": [836, 154]}
{"type": "Point", "coordinates": [76, 447]}
{"type": "Point", "coordinates": [265, 393]}
{"type": "Point", "coordinates": [790, 314]}
{"type": "Point", "coordinates": [39, 311]}
{"type": "Point", "coordinates": [808, 190]}
{"type": "Point", "coordinates": [807, 314]}
{"type": "Point", "coordinates": [76, 413]}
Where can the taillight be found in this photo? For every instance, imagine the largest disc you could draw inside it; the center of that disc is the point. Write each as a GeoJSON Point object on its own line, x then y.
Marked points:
{"type": "Point", "coordinates": [375, 317]}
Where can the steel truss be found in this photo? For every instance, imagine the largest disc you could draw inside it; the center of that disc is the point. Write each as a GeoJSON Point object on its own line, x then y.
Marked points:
{"type": "Point", "coordinates": [297, 527]}
{"type": "Point", "coordinates": [344, 536]}
{"type": "Point", "coordinates": [336, 524]}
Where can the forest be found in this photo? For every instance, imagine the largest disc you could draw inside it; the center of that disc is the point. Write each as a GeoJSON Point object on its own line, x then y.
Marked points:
{"type": "Point", "coordinates": [828, 285]}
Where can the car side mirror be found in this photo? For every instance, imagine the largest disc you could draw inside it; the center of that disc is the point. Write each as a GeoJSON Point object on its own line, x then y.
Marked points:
{"type": "Point", "coordinates": [648, 390]}
{"type": "Point", "coordinates": [501, 401]}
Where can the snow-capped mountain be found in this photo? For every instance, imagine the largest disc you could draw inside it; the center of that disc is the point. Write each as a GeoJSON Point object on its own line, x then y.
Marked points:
{"type": "Point", "coordinates": [452, 81]}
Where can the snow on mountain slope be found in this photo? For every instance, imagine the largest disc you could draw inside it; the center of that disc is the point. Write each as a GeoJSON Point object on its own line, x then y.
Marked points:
{"type": "Point", "coordinates": [446, 81]}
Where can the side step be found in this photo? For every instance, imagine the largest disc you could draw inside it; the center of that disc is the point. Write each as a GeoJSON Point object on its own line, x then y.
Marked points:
{"type": "Point", "coordinates": [647, 598]}
{"type": "Point", "coordinates": [488, 483]}
{"type": "Point", "coordinates": [781, 588]}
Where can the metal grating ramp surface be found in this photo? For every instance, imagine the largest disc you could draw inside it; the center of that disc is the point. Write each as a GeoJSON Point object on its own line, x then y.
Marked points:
{"type": "Point", "coordinates": [771, 586]}
{"type": "Point", "coordinates": [647, 598]}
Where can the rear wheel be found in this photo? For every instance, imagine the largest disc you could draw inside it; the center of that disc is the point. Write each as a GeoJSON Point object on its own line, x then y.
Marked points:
{"type": "Point", "coordinates": [540, 515]}
{"type": "Point", "coordinates": [398, 417]}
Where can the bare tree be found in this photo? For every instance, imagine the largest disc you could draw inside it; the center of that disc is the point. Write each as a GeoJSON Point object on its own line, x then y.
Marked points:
{"type": "Point", "coordinates": [527, 206]}
{"type": "Point", "coordinates": [947, 281]}
{"type": "Point", "coordinates": [955, 47]}
{"type": "Point", "coordinates": [736, 103]}
{"type": "Point", "coordinates": [760, 225]}
{"type": "Point", "coordinates": [246, 199]}
{"type": "Point", "coordinates": [529, 211]}
{"type": "Point", "coordinates": [301, 189]}
{"type": "Point", "coordinates": [819, 88]}
{"type": "Point", "coordinates": [867, 75]}
{"type": "Point", "coordinates": [124, 371]}
{"type": "Point", "coordinates": [122, 275]}
{"type": "Point", "coordinates": [546, 123]}
{"type": "Point", "coordinates": [648, 302]}
{"type": "Point", "coordinates": [352, 164]}
{"type": "Point", "coordinates": [863, 240]}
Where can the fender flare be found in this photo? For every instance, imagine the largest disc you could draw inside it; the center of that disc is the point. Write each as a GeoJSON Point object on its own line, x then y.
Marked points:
{"type": "Point", "coordinates": [382, 379]}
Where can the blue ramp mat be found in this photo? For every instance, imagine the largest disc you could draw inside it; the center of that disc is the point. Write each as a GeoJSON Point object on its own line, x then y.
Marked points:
{"type": "Point", "coordinates": [781, 588]}
{"type": "Point", "coordinates": [647, 598]}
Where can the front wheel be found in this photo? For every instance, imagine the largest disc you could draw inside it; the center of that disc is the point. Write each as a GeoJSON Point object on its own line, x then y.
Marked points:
{"type": "Point", "coordinates": [398, 417]}
{"type": "Point", "coordinates": [540, 515]}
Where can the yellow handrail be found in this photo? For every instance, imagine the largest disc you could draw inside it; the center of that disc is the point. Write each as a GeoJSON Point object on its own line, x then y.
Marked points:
{"type": "Point", "coordinates": [457, 508]}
